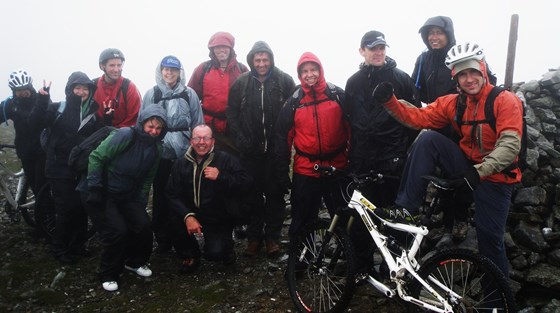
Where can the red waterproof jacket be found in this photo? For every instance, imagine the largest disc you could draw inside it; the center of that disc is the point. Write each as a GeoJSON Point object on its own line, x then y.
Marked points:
{"type": "Point", "coordinates": [212, 87]}
{"type": "Point", "coordinates": [490, 151]}
{"type": "Point", "coordinates": [314, 125]}
{"type": "Point", "coordinates": [126, 112]}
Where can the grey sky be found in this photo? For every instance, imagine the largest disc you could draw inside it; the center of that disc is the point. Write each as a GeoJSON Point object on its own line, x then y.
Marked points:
{"type": "Point", "coordinates": [52, 39]}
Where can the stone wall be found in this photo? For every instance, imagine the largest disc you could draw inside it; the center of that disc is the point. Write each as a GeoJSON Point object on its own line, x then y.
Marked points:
{"type": "Point", "coordinates": [533, 237]}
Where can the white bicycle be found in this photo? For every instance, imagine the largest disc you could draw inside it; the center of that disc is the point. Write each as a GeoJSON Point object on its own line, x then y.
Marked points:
{"type": "Point", "coordinates": [321, 265]}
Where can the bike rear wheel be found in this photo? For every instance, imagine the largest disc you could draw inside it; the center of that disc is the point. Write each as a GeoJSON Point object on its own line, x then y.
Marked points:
{"type": "Point", "coordinates": [45, 212]}
{"type": "Point", "coordinates": [480, 283]}
{"type": "Point", "coordinates": [26, 205]}
{"type": "Point", "coordinates": [320, 271]}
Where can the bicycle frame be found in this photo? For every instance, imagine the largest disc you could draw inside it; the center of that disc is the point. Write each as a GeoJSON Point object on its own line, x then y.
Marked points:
{"type": "Point", "coordinates": [400, 265]}
{"type": "Point", "coordinates": [13, 200]}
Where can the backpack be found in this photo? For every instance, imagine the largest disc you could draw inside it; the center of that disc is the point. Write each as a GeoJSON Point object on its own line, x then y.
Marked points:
{"type": "Point", "coordinates": [45, 135]}
{"type": "Point", "coordinates": [491, 120]}
{"type": "Point", "coordinates": [79, 156]}
{"type": "Point", "coordinates": [158, 96]}
{"type": "Point", "coordinates": [123, 90]}
{"type": "Point", "coordinates": [333, 93]}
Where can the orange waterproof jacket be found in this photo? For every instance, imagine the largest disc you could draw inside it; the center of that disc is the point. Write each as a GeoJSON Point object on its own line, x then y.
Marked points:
{"type": "Point", "coordinates": [491, 152]}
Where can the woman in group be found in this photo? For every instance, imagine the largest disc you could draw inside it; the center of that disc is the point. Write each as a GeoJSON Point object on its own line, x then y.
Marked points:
{"type": "Point", "coordinates": [184, 113]}
{"type": "Point", "coordinates": [120, 172]}
{"type": "Point", "coordinates": [68, 123]}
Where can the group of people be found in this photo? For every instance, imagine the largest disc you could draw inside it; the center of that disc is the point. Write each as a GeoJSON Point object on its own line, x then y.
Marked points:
{"type": "Point", "coordinates": [228, 136]}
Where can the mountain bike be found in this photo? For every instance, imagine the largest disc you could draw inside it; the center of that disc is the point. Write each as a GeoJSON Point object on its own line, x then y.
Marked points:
{"type": "Point", "coordinates": [321, 273]}
{"type": "Point", "coordinates": [20, 203]}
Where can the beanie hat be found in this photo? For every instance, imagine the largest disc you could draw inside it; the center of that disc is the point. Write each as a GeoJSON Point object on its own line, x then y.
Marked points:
{"type": "Point", "coordinates": [221, 39]}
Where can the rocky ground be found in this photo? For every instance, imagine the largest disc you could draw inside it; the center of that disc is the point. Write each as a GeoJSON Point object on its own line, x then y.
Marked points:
{"type": "Point", "coordinates": [32, 281]}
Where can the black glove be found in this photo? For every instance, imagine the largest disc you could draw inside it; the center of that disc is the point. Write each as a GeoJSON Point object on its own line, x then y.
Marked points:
{"type": "Point", "coordinates": [383, 92]}
{"type": "Point", "coordinates": [96, 197]}
{"type": "Point", "coordinates": [471, 178]}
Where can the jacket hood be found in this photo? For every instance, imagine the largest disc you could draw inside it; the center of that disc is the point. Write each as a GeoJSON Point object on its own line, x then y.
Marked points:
{"type": "Point", "coordinates": [441, 21]}
{"type": "Point", "coordinates": [149, 112]}
{"type": "Point", "coordinates": [78, 78]}
{"type": "Point", "coordinates": [165, 89]}
{"type": "Point", "coordinates": [320, 86]}
{"type": "Point", "coordinates": [222, 39]}
{"type": "Point", "coordinates": [260, 46]}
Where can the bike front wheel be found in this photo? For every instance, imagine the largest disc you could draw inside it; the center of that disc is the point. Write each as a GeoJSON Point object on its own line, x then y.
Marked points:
{"type": "Point", "coordinates": [469, 282]}
{"type": "Point", "coordinates": [320, 271]}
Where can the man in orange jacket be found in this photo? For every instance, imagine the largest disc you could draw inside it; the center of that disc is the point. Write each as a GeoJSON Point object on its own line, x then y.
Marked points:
{"type": "Point", "coordinates": [485, 159]}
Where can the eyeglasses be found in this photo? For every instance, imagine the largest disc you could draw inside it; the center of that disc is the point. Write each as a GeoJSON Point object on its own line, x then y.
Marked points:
{"type": "Point", "coordinates": [199, 139]}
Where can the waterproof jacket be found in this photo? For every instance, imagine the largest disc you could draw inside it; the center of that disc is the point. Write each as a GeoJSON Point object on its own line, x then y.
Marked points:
{"type": "Point", "coordinates": [125, 163]}
{"type": "Point", "coordinates": [182, 116]}
{"type": "Point", "coordinates": [253, 106]}
{"type": "Point", "coordinates": [189, 192]}
{"type": "Point", "coordinates": [126, 112]}
{"type": "Point", "coordinates": [26, 134]}
{"type": "Point", "coordinates": [433, 79]}
{"type": "Point", "coordinates": [315, 125]}
{"type": "Point", "coordinates": [212, 85]}
{"type": "Point", "coordinates": [490, 152]}
{"type": "Point", "coordinates": [376, 135]}
{"type": "Point", "coordinates": [67, 129]}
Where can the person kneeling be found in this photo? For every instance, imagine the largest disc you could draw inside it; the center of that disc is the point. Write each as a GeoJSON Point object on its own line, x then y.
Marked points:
{"type": "Point", "coordinates": [202, 185]}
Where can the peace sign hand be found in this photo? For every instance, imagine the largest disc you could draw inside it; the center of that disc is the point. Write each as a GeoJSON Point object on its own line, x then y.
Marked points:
{"type": "Point", "coordinates": [45, 90]}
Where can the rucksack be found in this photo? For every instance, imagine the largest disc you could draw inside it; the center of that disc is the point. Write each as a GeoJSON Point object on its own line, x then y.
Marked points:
{"type": "Point", "coordinates": [79, 156]}
{"type": "Point", "coordinates": [206, 69]}
{"type": "Point", "coordinates": [45, 135]}
{"type": "Point", "coordinates": [491, 120]}
{"type": "Point", "coordinates": [158, 96]}
{"type": "Point", "coordinates": [123, 90]}
{"type": "Point", "coordinates": [332, 91]}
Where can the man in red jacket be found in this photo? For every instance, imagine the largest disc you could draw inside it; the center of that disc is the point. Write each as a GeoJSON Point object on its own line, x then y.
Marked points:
{"type": "Point", "coordinates": [212, 79]}
{"type": "Point", "coordinates": [484, 160]}
{"type": "Point", "coordinates": [118, 98]}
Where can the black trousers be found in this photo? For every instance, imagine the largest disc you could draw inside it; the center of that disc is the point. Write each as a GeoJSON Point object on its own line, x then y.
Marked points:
{"type": "Point", "coordinates": [160, 210]}
{"type": "Point", "coordinates": [125, 234]}
{"type": "Point", "coordinates": [34, 169]}
{"type": "Point", "coordinates": [71, 219]}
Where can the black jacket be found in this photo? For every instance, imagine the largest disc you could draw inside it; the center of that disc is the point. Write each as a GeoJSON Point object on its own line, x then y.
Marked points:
{"type": "Point", "coordinates": [65, 127]}
{"type": "Point", "coordinates": [431, 75]}
{"type": "Point", "coordinates": [189, 192]}
{"type": "Point", "coordinates": [253, 106]}
{"type": "Point", "coordinates": [26, 134]}
{"type": "Point", "coordinates": [375, 135]}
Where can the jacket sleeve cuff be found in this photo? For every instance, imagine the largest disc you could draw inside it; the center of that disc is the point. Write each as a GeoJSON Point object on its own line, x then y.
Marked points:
{"type": "Point", "coordinates": [186, 216]}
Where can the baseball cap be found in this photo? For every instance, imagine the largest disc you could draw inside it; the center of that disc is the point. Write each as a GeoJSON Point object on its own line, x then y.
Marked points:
{"type": "Point", "coordinates": [372, 39]}
{"type": "Point", "coordinates": [474, 64]}
{"type": "Point", "coordinates": [171, 61]}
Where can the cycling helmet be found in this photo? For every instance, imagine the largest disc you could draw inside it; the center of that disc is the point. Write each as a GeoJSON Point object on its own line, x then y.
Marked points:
{"type": "Point", "coordinates": [463, 52]}
{"type": "Point", "coordinates": [110, 53]}
{"type": "Point", "coordinates": [20, 80]}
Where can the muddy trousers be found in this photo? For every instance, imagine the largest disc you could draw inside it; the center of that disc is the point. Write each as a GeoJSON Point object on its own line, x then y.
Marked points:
{"type": "Point", "coordinates": [126, 237]}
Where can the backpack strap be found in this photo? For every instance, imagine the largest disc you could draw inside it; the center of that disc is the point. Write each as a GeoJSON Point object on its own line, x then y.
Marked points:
{"type": "Point", "coordinates": [205, 69]}
{"type": "Point", "coordinates": [4, 110]}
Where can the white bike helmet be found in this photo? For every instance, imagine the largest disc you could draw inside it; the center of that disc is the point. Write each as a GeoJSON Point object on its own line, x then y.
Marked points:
{"type": "Point", "coordinates": [463, 52]}
{"type": "Point", "coordinates": [20, 80]}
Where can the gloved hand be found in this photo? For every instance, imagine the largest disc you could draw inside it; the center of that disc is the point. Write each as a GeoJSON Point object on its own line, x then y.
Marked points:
{"type": "Point", "coordinates": [383, 92]}
{"type": "Point", "coordinates": [96, 197]}
{"type": "Point", "coordinates": [471, 178]}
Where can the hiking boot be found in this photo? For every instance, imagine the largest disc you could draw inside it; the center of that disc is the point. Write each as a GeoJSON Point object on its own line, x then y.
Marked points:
{"type": "Point", "coordinates": [253, 248]}
{"type": "Point", "coordinates": [398, 215]}
{"type": "Point", "coordinates": [230, 259]}
{"type": "Point", "coordinates": [110, 285]}
{"type": "Point", "coordinates": [272, 248]}
{"type": "Point", "coordinates": [240, 232]}
{"type": "Point", "coordinates": [459, 231]}
{"type": "Point", "coordinates": [190, 265]}
{"type": "Point", "coordinates": [143, 270]}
